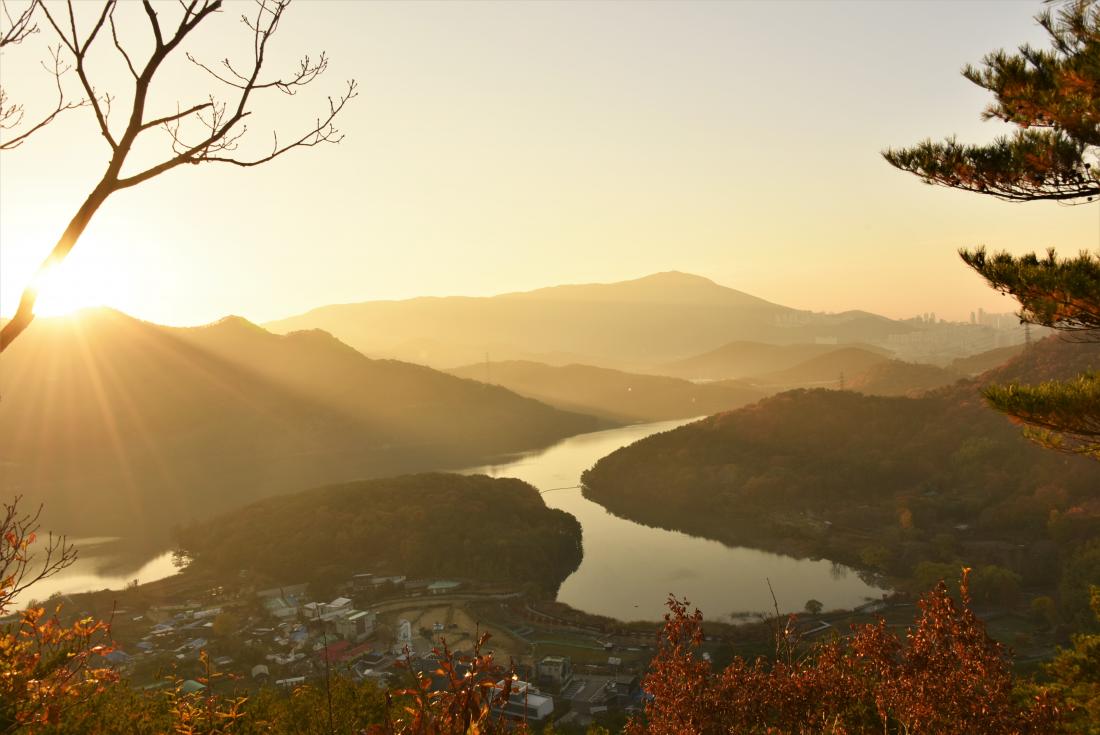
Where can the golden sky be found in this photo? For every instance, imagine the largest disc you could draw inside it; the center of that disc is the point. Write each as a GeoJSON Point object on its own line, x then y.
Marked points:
{"type": "Point", "coordinates": [505, 146]}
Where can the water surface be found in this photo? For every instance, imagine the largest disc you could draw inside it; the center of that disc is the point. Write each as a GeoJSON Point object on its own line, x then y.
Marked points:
{"type": "Point", "coordinates": [629, 569]}
{"type": "Point", "coordinates": [102, 563]}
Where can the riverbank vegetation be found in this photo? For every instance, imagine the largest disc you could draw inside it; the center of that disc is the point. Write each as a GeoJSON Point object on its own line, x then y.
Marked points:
{"type": "Point", "coordinates": [893, 486]}
{"type": "Point", "coordinates": [472, 527]}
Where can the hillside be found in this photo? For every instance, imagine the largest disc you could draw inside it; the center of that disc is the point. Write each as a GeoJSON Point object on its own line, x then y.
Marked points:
{"type": "Point", "coordinates": [882, 483]}
{"type": "Point", "coordinates": [643, 322]}
{"type": "Point", "coordinates": [122, 426]}
{"type": "Point", "coordinates": [826, 370]}
{"type": "Point", "coordinates": [979, 363]}
{"type": "Point", "coordinates": [749, 359]}
{"type": "Point", "coordinates": [612, 394]}
{"type": "Point", "coordinates": [472, 527]}
{"type": "Point", "coordinates": [898, 378]}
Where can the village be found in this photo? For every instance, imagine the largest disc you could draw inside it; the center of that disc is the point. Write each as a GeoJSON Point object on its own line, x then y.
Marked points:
{"type": "Point", "coordinates": [381, 628]}
{"type": "Point", "coordinates": [194, 631]}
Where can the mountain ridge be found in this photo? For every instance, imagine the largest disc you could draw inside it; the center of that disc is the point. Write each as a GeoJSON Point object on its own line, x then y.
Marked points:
{"type": "Point", "coordinates": [625, 325]}
{"type": "Point", "coordinates": [173, 423]}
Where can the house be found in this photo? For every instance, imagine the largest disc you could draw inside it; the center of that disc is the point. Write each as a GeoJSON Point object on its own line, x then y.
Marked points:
{"type": "Point", "coordinates": [555, 671]}
{"type": "Point", "coordinates": [290, 682]}
{"type": "Point", "coordinates": [525, 702]}
{"type": "Point", "coordinates": [370, 581]}
{"type": "Point", "coordinates": [281, 607]}
{"type": "Point", "coordinates": [443, 587]}
{"type": "Point", "coordinates": [327, 611]}
{"type": "Point", "coordinates": [355, 625]}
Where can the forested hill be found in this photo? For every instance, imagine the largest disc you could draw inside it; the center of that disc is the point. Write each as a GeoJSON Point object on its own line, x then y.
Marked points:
{"type": "Point", "coordinates": [124, 427]}
{"type": "Point", "coordinates": [843, 475]}
{"type": "Point", "coordinates": [898, 378]}
{"type": "Point", "coordinates": [473, 527]}
{"type": "Point", "coordinates": [613, 394]}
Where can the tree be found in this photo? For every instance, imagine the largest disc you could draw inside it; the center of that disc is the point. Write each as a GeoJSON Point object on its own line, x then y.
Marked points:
{"type": "Point", "coordinates": [14, 127]}
{"type": "Point", "coordinates": [46, 666]}
{"type": "Point", "coordinates": [946, 676]}
{"type": "Point", "coordinates": [19, 568]}
{"type": "Point", "coordinates": [210, 131]}
{"type": "Point", "coordinates": [1053, 96]}
{"type": "Point", "coordinates": [814, 607]}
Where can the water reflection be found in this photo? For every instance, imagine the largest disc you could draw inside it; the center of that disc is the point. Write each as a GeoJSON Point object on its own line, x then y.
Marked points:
{"type": "Point", "coordinates": [103, 563]}
{"type": "Point", "coordinates": [629, 569]}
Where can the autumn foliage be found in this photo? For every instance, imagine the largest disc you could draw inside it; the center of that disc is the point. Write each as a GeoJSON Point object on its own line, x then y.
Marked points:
{"type": "Point", "coordinates": [946, 677]}
{"type": "Point", "coordinates": [464, 704]}
{"type": "Point", "coordinates": [46, 666]}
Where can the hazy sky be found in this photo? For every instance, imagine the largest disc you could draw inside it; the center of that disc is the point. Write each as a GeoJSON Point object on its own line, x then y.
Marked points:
{"type": "Point", "coordinates": [506, 146]}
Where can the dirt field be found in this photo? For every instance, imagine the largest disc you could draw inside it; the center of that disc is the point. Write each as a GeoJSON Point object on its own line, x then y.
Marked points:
{"type": "Point", "coordinates": [460, 628]}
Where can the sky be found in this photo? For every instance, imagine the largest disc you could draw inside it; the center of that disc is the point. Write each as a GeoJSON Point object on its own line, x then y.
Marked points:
{"type": "Point", "coordinates": [498, 147]}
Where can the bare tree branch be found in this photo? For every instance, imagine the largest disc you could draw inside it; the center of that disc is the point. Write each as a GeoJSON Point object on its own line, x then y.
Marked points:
{"type": "Point", "coordinates": [222, 123]}
{"type": "Point", "coordinates": [19, 26]}
{"type": "Point", "coordinates": [177, 116]}
{"type": "Point", "coordinates": [11, 115]}
{"type": "Point", "coordinates": [121, 50]}
{"type": "Point", "coordinates": [79, 51]}
{"type": "Point", "coordinates": [19, 568]}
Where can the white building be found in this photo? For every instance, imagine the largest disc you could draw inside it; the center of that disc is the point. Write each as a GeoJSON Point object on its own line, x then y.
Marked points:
{"type": "Point", "coordinates": [525, 702]}
{"type": "Point", "coordinates": [355, 625]}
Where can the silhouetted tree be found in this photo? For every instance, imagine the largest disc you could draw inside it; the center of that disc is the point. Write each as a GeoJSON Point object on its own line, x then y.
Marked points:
{"type": "Point", "coordinates": [207, 131]}
{"type": "Point", "coordinates": [1052, 96]}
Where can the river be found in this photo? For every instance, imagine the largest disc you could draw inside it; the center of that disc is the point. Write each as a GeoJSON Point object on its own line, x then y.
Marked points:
{"type": "Point", "coordinates": [628, 569]}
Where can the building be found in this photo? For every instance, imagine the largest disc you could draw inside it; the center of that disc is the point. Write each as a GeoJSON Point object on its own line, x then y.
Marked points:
{"type": "Point", "coordinates": [282, 602]}
{"type": "Point", "coordinates": [355, 625]}
{"type": "Point", "coordinates": [555, 672]}
{"type": "Point", "coordinates": [443, 587]}
{"type": "Point", "coordinates": [367, 581]}
{"type": "Point", "coordinates": [327, 611]}
{"type": "Point", "coordinates": [525, 702]}
{"type": "Point", "coordinates": [403, 638]}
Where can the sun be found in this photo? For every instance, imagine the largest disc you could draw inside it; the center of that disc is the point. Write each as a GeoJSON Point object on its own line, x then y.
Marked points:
{"type": "Point", "coordinates": [62, 291]}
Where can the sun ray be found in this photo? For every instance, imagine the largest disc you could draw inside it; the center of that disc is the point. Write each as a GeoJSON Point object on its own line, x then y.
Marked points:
{"type": "Point", "coordinates": [110, 423]}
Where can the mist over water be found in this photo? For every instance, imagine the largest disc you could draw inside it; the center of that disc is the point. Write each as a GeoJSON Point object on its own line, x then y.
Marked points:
{"type": "Point", "coordinates": [629, 569]}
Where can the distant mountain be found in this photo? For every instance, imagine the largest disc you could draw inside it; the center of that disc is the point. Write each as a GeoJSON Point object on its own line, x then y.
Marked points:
{"type": "Point", "coordinates": [898, 378]}
{"type": "Point", "coordinates": [472, 527]}
{"type": "Point", "coordinates": [826, 370]}
{"type": "Point", "coordinates": [124, 427]}
{"type": "Point", "coordinates": [643, 322]}
{"type": "Point", "coordinates": [881, 483]}
{"type": "Point", "coordinates": [979, 363]}
{"type": "Point", "coordinates": [613, 394]}
{"type": "Point", "coordinates": [749, 359]}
